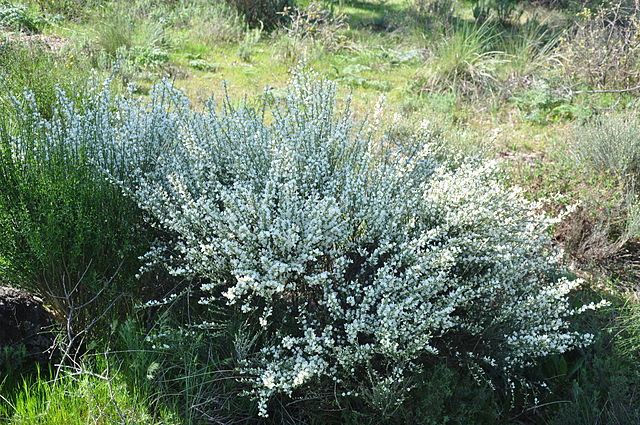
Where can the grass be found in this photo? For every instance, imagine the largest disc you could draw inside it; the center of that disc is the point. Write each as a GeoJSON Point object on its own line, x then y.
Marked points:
{"type": "Point", "coordinates": [495, 88]}
{"type": "Point", "coordinates": [76, 400]}
{"type": "Point", "coordinates": [465, 60]}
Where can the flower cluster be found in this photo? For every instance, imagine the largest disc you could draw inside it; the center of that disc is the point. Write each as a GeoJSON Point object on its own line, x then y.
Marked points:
{"type": "Point", "coordinates": [349, 253]}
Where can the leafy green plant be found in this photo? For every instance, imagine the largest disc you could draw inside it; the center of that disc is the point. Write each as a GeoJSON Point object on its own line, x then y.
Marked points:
{"type": "Point", "coordinates": [204, 65]}
{"type": "Point", "coordinates": [19, 17]}
{"type": "Point", "coordinates": [66, 233]}
{"type": "Point", "coordinates": [145, 57]}
{"type": "Point", "coordinates": [542, 105]}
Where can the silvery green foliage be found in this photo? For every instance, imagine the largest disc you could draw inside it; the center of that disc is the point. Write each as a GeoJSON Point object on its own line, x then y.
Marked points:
{"type": "Point", "coordinates": [352, 254]}
{"type": "Point", "coordinates": [118, 133]}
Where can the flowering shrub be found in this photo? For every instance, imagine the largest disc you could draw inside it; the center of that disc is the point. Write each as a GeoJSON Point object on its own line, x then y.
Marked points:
{"type": "Point", "coordinates": [350, 256]}
{"type": "Point", "coordinates": [353, 255]}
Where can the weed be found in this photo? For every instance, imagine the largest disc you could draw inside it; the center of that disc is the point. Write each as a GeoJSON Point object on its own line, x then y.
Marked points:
{"type": "Point", "coordinates": [465, 62]}
{"type": "Point", "coordinates": [541, 104]}
{"type": "Point", "coordinates": [204, 65]}
{"type": "Point", "coordinates": [247, 48]}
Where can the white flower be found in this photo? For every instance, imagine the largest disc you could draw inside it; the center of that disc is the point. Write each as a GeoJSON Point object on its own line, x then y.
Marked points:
{"type": "Point", "coordinates": [300, 378]}
{"type": "Point", "coordinates": [268, 382]}
{"type": "Point", "coordinates": [229, 294]}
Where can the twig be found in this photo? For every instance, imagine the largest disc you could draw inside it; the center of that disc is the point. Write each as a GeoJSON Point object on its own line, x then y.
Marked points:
{"type": "Point", "coordinates": [627, 90]}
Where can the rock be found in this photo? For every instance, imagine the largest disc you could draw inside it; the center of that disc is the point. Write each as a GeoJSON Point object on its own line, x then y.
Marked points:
{"type": "Point", "coordinates": [25, 328]}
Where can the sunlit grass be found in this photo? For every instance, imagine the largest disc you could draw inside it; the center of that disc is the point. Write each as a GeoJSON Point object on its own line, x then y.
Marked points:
{"type": "Point", "coordinates": [75, 400]}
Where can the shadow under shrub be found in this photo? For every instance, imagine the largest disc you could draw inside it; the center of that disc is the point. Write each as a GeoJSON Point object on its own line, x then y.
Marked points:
{"type": "Point", "coordinates": [264, 14]}
{"type": "Point", "coordinates": [598, 384]}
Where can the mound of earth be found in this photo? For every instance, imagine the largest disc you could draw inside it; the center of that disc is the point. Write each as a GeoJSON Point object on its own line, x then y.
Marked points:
{"type": "Point", "coordinates": [25, 327]}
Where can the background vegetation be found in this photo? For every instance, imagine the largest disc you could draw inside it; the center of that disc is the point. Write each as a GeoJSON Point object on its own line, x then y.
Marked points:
{"type": "Point", "coordinates": [550, 88]}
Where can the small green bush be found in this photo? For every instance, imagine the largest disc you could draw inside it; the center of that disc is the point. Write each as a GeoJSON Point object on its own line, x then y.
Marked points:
{"type": "Point", "coordinates": [263, 14]}
{"type": "Point", "coordinates": [610, 142]}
